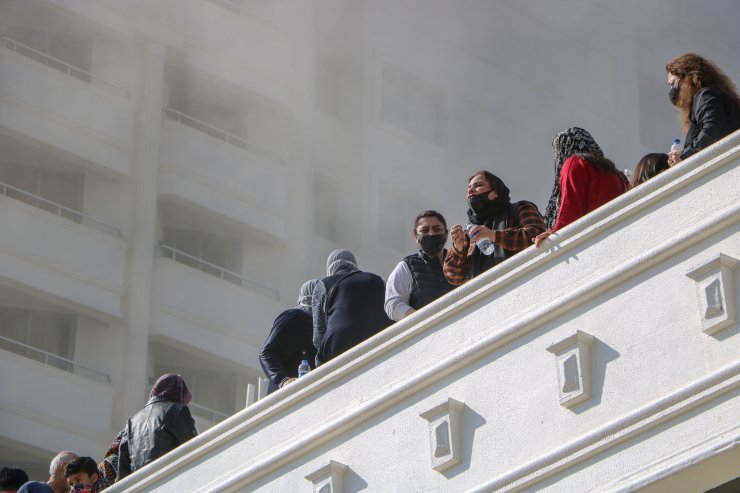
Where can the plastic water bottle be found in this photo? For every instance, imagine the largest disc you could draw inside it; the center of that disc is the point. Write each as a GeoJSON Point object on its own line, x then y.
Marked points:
{"type": "Point", "coordinates": [303, 368]}
{"type": "Point", "coordinates": [676, 146]}
{"type": "Point", "coordinates": [484, 244]}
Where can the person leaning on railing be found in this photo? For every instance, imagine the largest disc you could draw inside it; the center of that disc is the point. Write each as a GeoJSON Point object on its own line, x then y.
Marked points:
{"type": "Point", "coordinates": [509, 226]}
{"type": "Point", "coordinates": [290, 341]}
{"type": "Point", "coordinates": [164, 424]}
{"type": "Point", "coordinates": [706, 99]}
{"type": "Point", "coordinates": [584, 180]}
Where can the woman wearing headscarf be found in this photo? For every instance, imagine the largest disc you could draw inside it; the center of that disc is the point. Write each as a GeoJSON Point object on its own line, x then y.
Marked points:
{"type": "Point", "coordinates": [584, 180]}
{"type": "Point", "coordinates": [510, 227]}
{"type": "Point", "coordinates": [347, 307]}
{"type": "Point", "coordinates": [163, 425]}
{"type": "Point", "coordinates": [706, 99]}
{"type": "Point", "coordinates": [289, 341]}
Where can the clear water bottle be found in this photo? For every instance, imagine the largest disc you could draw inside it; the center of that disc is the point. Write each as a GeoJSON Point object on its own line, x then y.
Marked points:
{"type": "Point", "coordinates": [676, 146]}
{"type": "Point", "coordinates": [484, 244]}
{"type": "Point", "coordinates": [303, 368]}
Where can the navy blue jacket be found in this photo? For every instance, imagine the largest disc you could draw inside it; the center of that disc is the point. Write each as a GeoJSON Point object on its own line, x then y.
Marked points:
{"type": "Point", "coordinates": [353, 314]}
{"type": "Point", "coordinates": [288, 343]}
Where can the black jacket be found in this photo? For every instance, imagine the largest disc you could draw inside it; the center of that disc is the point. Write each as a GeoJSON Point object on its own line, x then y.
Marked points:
{"type": "Point", "coordinates": [714, 115]}
{"type": "Point", "coordinates": [152, 432]}
{"type": "Point", "coordinates": [289, 342]}
{"type": "Point", "coordinates": [354, 312]}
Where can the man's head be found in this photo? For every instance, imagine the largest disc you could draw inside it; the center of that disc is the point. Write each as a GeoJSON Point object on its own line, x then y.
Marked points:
{"type": "Point", "coordinates": [57, 481]}
{"type": "Point", "coordinates": [430, 232]}
{"type": "Point", "coordinates": [82, 470]}
{"type": "Point", "coordinates": [338, 259]}
{"type": "Point", "coordinates": [11, 478]}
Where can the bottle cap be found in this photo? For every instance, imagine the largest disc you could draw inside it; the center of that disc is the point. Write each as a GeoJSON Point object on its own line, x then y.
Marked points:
{"type": "Point", "coordinates": [676, 141]}
{"type": "Point", "coordinates": [304, 361]}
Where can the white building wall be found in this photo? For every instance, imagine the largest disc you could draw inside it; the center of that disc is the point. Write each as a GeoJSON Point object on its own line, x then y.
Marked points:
{"type": "Point", "coordinates": [369, 111]}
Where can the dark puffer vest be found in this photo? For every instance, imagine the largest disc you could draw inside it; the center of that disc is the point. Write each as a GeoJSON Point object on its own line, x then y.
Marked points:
{"type": "Point", "coordinates": [429, 280]}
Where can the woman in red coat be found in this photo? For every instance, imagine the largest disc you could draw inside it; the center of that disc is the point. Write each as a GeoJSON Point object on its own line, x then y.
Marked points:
{"type": "Point", "coordinates": [584, 180]}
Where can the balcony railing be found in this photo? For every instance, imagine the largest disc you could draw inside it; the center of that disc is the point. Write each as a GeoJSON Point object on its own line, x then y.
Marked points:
{"type": "Point", "coordinates": [207, 413]}
{"type": "Point", "coordinates": [55, 63]}
{"type": "Point", "coordinates": [51, 359]}
{"type": "Point", "coordinates": [213, 269]}
{"type": "Point", "coordinates": [58, 209]}
{"type": "Point", "coordinates": [207, 128]}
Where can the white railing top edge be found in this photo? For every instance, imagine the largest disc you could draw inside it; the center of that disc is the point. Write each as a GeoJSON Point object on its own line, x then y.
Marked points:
{"type": "Point", "coordinates": [262, 287]}
{"type": "Point", "coordinates": [4, 187]}
{"type": "Point", "coordinates": [104, 376]}
{"type": "Point", "coordinates": [228, 137]}
{"type": "Point", "coordinates": [69, 66]}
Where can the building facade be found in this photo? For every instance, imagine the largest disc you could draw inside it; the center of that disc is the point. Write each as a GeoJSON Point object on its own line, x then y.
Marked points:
{"type": "Point", "coordinates": [173, 170]}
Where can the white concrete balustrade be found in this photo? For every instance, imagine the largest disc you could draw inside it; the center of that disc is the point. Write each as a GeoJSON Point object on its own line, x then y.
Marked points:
{"type": "Point", "coordinates": [82, 268]}
{"type": "Point", "coordinates": [218, 173]}
{"type": "Point", "coordinates": [610, 304]}
{"type": "Point", "coordinates": [66, 108]}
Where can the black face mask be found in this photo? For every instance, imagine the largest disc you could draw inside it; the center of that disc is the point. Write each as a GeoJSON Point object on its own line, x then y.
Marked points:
{"type": "Point", "coordinates": [432, 244]}
{"type": "Point", "coordinates": [479, 202]}
{"type": "Point", "coordinates": [674, 91]}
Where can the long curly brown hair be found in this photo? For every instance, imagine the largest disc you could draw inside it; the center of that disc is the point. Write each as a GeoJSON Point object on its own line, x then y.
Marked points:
{"type": "Point", "coordinates": [696, 72]}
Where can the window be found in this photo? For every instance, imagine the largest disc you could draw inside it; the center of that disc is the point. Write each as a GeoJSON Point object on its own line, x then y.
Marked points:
{"type": "Point", "coordinates": [414, 105]}
{"type": "Point", "coordinates": [222, 251]}
{"type": "Point", "coordinates": [325, 208]}
{"type": "Point", "coordinates": [332, 88]}
{"type": "Point", "coordinates": [60, 187]}
{"type": "Point", "coordinates": [68, 48]}
{"type": "Point", "coordinates": [46, 331]}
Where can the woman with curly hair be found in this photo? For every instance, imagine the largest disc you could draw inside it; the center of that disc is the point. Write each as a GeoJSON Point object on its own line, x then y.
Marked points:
{"type": "Point", "coordinates": [707, 101]}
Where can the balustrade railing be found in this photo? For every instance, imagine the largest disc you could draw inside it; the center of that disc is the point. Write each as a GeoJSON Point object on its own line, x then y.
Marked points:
{"type": "Point", "coordinates": [51, 359]}
{"type": "Point", "coordinates": [213, 269]}
{"type": "Point", "coordinates": [57, 209]}
{"type": "Point", "coordinates": [60, 65]}
{"type": "Point", "coordinates": [207, 128]}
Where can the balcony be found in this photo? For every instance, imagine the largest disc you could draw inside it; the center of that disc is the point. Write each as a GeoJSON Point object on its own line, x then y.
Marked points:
{"type": "Point", "coordinates": [82, 268]}
{"type": "Point", "coordinates": [27, 400]}
{"type": "Point", "coordinates": [216, 172]}
{"type": "Point", "coordinates": [65, 108]}
{"type": "Point", "coordinates": [210, 312]}
{"type": "Point", "coordinates": [608, 361]}
{"type": "Point", "coordinates": [247, 49]}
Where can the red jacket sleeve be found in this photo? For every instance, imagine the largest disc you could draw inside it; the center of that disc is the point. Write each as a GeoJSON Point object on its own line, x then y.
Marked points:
{"type": "Point", "coordinates": [573, 189]}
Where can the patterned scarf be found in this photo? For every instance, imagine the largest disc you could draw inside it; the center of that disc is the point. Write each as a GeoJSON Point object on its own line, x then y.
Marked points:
{"type": "Point", "coordinates": [171, 387]}
{"type": "Point", "coordinates": [575, 140]}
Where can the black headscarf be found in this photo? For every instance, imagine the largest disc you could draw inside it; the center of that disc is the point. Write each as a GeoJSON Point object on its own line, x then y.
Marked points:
{"type": "Point", "coordinates": [575, 140]}
{"type": "Point", "coordinates": [496, 215]}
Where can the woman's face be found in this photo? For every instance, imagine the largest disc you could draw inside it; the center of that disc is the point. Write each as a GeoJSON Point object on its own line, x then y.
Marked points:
{"type": "Point", "coordinates": [672, 79]}
{"type": "Point", "coordinates": [478, 185]}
